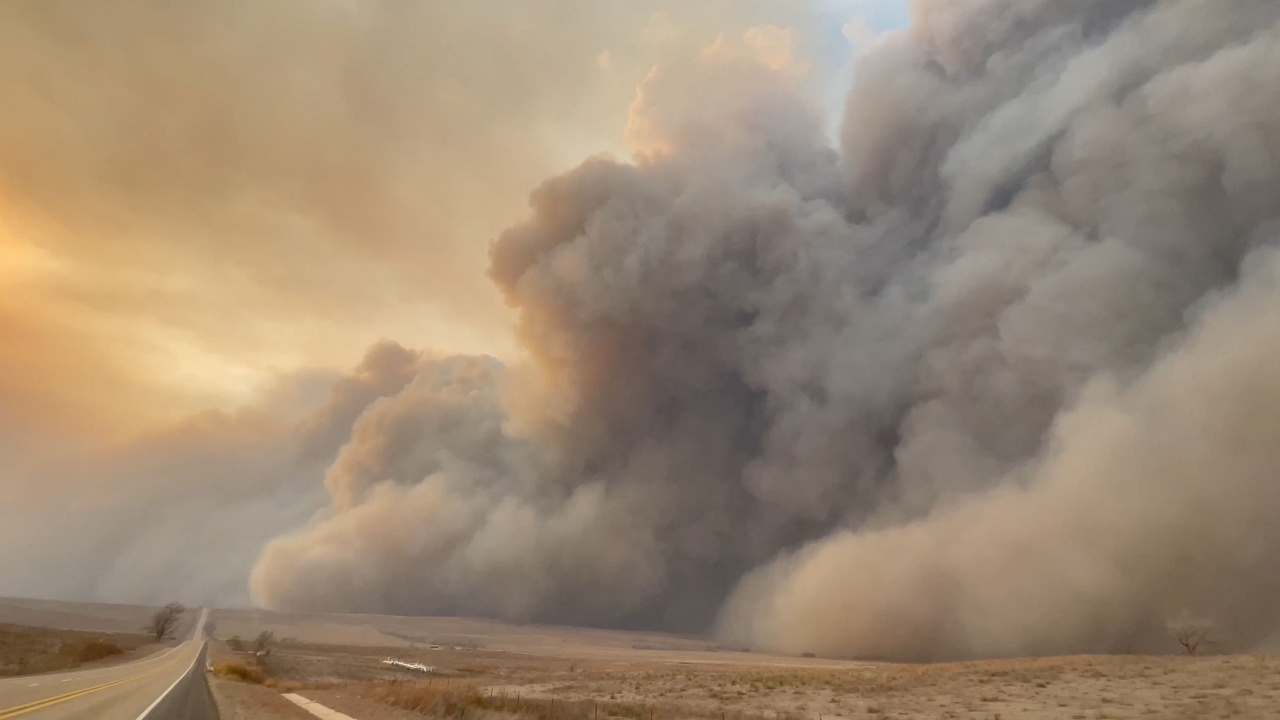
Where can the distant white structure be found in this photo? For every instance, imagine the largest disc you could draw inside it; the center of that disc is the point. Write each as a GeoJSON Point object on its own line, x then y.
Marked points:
{"type": "Point", "coordinates": [409, 666]}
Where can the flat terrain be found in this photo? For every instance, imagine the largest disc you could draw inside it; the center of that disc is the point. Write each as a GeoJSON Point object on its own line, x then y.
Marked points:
{"type": "Point", "coordinates": [98, 617]}
{"type": "Point", "coordinates": [493, 684]}
{"type": "Point", "coordinates": [494, 671]}
{"type": "Point", "coordinates": [1085, 687]}
{"type": "Point", "coordinates": [472, 634]}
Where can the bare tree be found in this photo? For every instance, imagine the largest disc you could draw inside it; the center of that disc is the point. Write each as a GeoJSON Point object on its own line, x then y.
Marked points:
{"type": "Point", "coordinates": [165, 621]}
{"type": "Point", "coordinates": [261, 645]}
{"type": "Point", "coordinates": [1190, 640]}
{"type": "Point", "coordinates": [1191, 631]}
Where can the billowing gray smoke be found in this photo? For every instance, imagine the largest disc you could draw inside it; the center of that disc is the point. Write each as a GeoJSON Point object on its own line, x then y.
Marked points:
{"type": "Point", "coordinates": [996, 378]}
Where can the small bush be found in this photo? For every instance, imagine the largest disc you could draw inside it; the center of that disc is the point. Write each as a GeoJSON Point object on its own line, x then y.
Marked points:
{"type": "Point", "coordinates": [626, 710]}
{"type": "Point", "coordinates": [237, 671]}
{"type": "Point", "coordinates": [97, 650]}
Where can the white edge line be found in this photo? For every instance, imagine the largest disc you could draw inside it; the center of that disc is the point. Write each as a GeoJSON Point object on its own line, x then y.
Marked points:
{"type": "Point", "coordinates": [165, 694]}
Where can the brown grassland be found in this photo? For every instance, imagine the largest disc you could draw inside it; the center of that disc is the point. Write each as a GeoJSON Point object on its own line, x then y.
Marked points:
{"type": "Point", "coordinates": [494, 671]}
{"type": "Point", "coordinates": [505, 685]}
{"type": "Point", "coordinates": [28, 650]}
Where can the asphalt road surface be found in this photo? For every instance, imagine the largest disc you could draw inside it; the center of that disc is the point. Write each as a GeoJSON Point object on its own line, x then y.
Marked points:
{"type": "Point", "coordinates": [169, 685]}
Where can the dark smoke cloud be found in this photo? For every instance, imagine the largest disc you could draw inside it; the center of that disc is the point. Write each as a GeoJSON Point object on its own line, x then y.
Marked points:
{"type": "Point", "coordinates": [993, 379]}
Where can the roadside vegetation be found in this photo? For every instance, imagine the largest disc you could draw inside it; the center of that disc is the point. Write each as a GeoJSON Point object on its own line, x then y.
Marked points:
{"type": "Point", "coordinates": [30, 650]}
{"type": "Point", "coordinates": [233, 670]}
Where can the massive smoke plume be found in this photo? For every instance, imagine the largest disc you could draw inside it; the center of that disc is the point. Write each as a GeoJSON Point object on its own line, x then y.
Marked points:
{"type": "Point", "coordinates": [182, 513]}
{"type": "Point", "coordinates": [996, 377]}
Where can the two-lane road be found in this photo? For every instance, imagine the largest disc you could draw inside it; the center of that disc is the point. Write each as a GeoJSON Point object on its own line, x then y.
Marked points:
{"type": "Point", "coordinates": [131, 691]}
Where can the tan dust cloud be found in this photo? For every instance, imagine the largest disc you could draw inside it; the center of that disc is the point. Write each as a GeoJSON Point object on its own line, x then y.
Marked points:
{"type": "Point", "coordinates": [991, 378]}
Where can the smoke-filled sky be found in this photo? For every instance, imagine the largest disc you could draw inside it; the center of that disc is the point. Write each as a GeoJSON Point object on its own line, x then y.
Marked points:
{"type": "Point", "coordinates": [920, 331]}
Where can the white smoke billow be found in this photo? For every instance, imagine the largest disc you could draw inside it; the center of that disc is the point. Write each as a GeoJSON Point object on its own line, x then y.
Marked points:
{"type": "Point", "coordinates": [995, 377]}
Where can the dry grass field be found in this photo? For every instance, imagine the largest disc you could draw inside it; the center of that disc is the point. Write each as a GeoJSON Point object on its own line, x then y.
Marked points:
{"type": "Point", "coordinates": [28, 650]}
{"type": "Point", "coordinates": [1085, 687]}
{"type": "Point", "coordinates": [494, 671]}
{"type": "Point", "coordinates": [495, 684]}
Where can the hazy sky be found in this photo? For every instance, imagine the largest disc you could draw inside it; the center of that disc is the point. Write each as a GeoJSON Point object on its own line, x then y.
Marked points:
{"type": "Point", "coordinates": [197, 198]}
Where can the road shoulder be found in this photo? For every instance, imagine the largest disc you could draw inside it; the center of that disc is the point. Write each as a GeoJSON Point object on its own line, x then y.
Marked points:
{"type": "Point", "coordinates": [244, 701]}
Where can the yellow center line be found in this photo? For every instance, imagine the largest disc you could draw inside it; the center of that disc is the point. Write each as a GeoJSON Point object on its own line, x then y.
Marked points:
{"type": "Point", "coordinates": [41, 704]}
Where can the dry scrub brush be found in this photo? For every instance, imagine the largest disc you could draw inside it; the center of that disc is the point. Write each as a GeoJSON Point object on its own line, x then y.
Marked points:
{"type": "Point", "coordinates": [95, 650]}
{"type": "Point", "coordinates": [469, 702]}
{"type": "Point", "coordinates": [238, 671]}
{"type": "Point", "coordinates": [25, 650]}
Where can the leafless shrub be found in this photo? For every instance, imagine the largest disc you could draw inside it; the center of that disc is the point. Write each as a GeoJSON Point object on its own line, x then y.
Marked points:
{"type": "Point", "coordinates": [165, 621]}
{"type": "Point", "coordinates": [262, 644]}
{"type": "Point", "coordinates": [1191, 631]}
